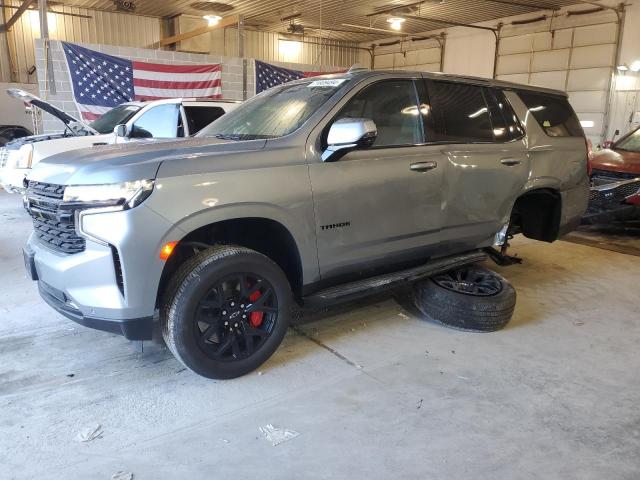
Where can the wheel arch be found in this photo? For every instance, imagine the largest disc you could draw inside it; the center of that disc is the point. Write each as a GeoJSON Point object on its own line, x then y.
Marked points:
{"type": "Point", "coordinates": [537, 214]}
{"type": "Point", "coordinates": [263, 234]}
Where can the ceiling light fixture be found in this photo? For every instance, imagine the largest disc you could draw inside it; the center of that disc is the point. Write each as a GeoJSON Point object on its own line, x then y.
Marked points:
{"type": "Point", "coordinates": [622, 68]}
{"type": "Point", "coordinates": [212, 19]}
{"type": "Point", "coordinates": [396, 22]}
{"type": "Point", "coordinates": [635, 66]}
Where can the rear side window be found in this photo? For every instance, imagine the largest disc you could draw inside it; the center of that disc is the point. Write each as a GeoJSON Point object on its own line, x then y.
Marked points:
{"type": "Point", "coordinates": [461, 113]}
{"type": "Point", "coordinates": [506, 125]}
{"type": "Point", "coordinates": [200, 117]}
{"type": "Point", "coordinates": [553, 113]}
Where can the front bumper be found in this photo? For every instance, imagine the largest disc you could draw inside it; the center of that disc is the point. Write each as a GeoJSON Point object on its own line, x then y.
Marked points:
{"type": "Point", "coordinates": [12, 179]}
{"type": "Point", "coordinates": [613, 200]}
{"type": "Point", "coordinates": [112, 284]}
{"type": "Point", "coordinates": [132, 328]}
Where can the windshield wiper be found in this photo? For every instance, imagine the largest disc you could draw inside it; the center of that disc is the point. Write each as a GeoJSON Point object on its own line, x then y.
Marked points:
{"type": "Point", "coordinates": [229, 136]}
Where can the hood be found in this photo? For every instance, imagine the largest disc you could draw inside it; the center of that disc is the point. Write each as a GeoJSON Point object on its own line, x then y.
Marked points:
{"type": "Point", "coordinates": [131, 161]}
{"type": "Point", "coordinates": [616, 161]}
{"type": "Point", "coordinates": [18, 142]}
{"type": "Point", "coordinates": [73, 123]}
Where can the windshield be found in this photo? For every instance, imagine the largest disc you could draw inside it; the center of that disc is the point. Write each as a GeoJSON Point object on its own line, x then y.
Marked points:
{"type": "Point", "coordinates": [120, 114]}
{"type": "Point", "coordinates": [630, 143]}
{"type": "Point", "coordinates": [275, 113]}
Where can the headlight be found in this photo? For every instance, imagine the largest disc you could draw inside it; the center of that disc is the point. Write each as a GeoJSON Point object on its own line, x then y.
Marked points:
{"type": "Point", "coordinates": [125, 195]}
{"type": "Point", "coordinates": [20, 158]}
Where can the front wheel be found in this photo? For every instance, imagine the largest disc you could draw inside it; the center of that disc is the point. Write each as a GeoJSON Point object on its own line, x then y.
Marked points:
{"type": "Point", "coordinates": [226, 311]}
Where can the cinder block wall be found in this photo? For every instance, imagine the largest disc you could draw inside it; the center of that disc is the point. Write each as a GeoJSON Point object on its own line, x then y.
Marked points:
{"type": "Point", "coordinates": [63, 98]}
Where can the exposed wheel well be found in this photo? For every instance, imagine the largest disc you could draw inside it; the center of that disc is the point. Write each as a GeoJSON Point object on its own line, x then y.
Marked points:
{"type": "Point", "coordinates": [263, 235]}
{"type": "Point", "coordinates": [536, 215]}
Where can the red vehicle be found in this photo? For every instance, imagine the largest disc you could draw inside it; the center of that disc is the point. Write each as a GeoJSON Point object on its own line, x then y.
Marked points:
{"type": "Point", "coordinates": [615, 180]}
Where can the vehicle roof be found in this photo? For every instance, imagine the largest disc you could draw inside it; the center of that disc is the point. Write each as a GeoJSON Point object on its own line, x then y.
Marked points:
{"type": "Point", "coordinates": [181, 100]}
{"type": "Point", "coordinates": [489, 82]}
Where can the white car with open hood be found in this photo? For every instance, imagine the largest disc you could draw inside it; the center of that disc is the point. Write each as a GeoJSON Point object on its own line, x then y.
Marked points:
{"type": "Point", "coordinates": [131, 121]}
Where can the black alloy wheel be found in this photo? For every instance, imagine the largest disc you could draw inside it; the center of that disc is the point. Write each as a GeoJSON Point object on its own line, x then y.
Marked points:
{"type": "Point", "coordinates": [479, 282]}
{"type": "Point", "coordinates": [235, 317]}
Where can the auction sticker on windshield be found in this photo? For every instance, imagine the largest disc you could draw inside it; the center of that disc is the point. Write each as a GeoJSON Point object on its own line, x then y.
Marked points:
{"type": "Point", "coordinates": [327, 83]}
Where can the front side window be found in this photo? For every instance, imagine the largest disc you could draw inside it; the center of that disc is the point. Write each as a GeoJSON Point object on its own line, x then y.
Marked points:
{"type": "Point", "coordinates": [393, 106]}
{"type": "Point", "coordinates": [116, 116]}
{"type": "Point", "coordinates": [553, 113]}
{"type": "Point", "coordinates": [161, 121]}
{"type": "Point", "coordinates": [461, 112]}
{"type": "Point", "coordinates": [277, 112]}
{"type": "Point", "coordinates": [630, 143]}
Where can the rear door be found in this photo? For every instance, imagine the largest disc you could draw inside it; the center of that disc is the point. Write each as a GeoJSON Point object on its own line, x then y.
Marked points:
{"type": "Point", "coordinates": [379, 207]}
{"type": "Point", "coordinates": [484, 160]}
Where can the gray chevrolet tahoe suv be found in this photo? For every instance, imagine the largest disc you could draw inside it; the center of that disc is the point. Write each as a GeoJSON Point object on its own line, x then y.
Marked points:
{"type": "Point", "coordinates": [315, 191]}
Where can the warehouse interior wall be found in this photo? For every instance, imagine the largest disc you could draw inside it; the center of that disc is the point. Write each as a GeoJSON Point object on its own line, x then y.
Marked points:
{"type": "Point", "coordinates": [266, 46]}
{"type": "Point", "coordinates": [232, 75]}
{"type": "Point", "coordinates": [78, 25]}
{"type": "Point", "coordinates": [13, 111]}
{"type": "Point", "coordinates": [575, 53]}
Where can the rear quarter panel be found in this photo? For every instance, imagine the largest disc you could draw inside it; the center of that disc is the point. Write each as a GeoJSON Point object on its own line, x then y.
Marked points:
{"type": "Point", "coordinates": [557, 163]}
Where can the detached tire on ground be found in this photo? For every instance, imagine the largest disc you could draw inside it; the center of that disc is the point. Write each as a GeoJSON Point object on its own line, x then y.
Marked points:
{"type": "Point", "coordinates": [472, 298]}
{"type": "Point", "coordinates": [225, 311]}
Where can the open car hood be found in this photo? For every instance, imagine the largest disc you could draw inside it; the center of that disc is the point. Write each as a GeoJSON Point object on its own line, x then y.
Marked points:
{"type": "Point", "coordinates": [29, 99]}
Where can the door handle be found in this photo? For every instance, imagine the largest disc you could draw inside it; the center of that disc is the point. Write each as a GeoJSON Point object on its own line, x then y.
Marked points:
{"type": "Point", "coordinates": [510, 162]}
{"type": "Point", "coordinates": [423, 166]}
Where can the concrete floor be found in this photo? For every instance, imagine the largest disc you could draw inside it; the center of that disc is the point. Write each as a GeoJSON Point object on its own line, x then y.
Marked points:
{"type": "Point", "coordinates": [553, 396]}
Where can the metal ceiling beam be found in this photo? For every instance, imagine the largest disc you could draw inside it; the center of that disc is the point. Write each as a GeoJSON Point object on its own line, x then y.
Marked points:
{"type": "Point", "coordinates": [50, 10]}
{"type": "Point", "coordinates": [399, 8]}
{"type": "Point", "coordinates": [225, 22]}
{"type": "Point", "coordinates": [16, 16]}
{"type": "Point", "coordinates": [448, 22]}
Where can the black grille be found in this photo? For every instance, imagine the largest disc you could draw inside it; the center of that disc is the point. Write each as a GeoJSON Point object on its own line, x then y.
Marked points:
{"type": "Point", "coordinates": [614, 175]}
{"type": "Point", "coordinates": [53, 226]}
{"type": "Point", "coordinates": [611, 198]}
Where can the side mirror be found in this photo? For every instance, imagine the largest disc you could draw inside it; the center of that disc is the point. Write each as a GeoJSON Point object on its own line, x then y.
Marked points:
{"type": "Point", "coordinates": [347, 134]}
{"type": "Point", "coordinates": [121, 131]}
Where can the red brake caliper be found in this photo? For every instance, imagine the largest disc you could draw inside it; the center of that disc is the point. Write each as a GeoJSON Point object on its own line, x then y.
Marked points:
{"type": "Point", "coordinates": [255, 318]}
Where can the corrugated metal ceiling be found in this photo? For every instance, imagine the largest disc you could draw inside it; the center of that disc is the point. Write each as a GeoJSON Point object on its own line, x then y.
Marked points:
{"type": "Point", "coordinates": [331, 15]}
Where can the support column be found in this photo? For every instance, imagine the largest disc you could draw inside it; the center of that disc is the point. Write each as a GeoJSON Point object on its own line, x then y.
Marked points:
{"type": "Point", "coordinates": [44, 34]}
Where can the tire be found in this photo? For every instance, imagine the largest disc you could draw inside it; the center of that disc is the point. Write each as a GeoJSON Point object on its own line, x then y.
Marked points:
{"type": "Point", "coordinates": [467, 307]}
{"type": "Point", "coordinates": [202, 296]}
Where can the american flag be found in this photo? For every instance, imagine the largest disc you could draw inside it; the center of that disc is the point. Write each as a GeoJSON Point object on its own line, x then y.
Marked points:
{"type": "Point", "coordinates": [268, 75]}
{"type": "Point", "coordinates": [101, 82]}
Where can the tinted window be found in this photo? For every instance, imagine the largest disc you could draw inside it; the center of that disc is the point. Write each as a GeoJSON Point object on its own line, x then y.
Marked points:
{"type": "Point", "coordinates": [461, 113]}
{"type": "Point", "coordinates": [393, 106]}
{"type": "Point", "coordinates": [158, 122]}
{"type": "Point", "coordinates": [200, 117]}
{"type": "Point", "coordinates": [553, 113]}
{"type": "Point", "coordinates": [506, 125]}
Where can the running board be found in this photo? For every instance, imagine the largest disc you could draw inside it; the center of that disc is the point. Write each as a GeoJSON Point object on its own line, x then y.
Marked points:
{"type": "Point", "coordinates": [360, 288]}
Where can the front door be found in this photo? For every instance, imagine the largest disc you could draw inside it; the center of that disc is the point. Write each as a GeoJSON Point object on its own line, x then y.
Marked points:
{"type": "Point", "coordinates": [379, 208]}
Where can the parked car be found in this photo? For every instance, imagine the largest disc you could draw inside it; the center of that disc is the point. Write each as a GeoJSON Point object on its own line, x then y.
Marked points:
{"type": "Point", "coordinates": [316, 191]}
{"type": "Point", "coordinates": [615, 181]}
{"type": "Point", "coordinates": [172, 118]}
{"type": "Point", "coordinates": [11, 132]}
